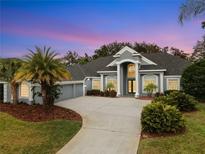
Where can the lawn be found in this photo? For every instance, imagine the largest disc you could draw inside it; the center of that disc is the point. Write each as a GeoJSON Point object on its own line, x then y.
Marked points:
{"type": "Point", "coordinates": [21, 137]}
{"type": "Point", "coordinates": [191, 142]}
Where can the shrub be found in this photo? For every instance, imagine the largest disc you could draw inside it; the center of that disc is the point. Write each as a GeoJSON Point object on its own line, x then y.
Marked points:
{"type": "Point", "coordinates": [150, 88]}
{"type": "Point", "coordinates": [168, 92]}
{"type": "Point", "coordinates": [106, 93]}
{"type": "Point", "coordinates": [110, 86]}
{"type": "Point", "coordinates": [193, 79]}
{"type": "Point", "coordinates": [161, 99]}
{"type": "Point", "coordinates": [157, 94]}
{"type": "Point", "coordinates": [102, 93]}
{"type": "Point", "coordinates": [161, 118]}
{"type": "Point", "coordinates": [182, 101]}
{"type": "Point", "coordinates": [113, 93]}
{"type": "Point", "coordinates": [94, 92]}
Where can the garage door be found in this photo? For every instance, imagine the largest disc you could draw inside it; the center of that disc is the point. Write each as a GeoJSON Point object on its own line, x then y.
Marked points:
{"type": "Point", "coordinates": [1, 92]}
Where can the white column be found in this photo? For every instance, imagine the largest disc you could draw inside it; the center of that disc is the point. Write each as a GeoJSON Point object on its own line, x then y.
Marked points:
{"type": "Point", "coordinates": [137, 79]}
{"type": "Point", "coordinates": [161, 82]}
{"type": "Point", "coordinates": [30, 92]}
{"type": "Point", "coordinates": [101, 82]}
{"type": "Point", "coordinates": [118, 80]}
{"type": "Point", "coordinates": [5, 92]}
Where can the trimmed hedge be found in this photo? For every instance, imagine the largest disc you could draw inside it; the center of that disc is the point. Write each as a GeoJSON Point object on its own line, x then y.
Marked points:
{"type": "Point", "coordinates": [106, 93]}
{"type": "Point", "coordinates": [182, 101]}
{"type": "Point", "coordinates": [161, 118]}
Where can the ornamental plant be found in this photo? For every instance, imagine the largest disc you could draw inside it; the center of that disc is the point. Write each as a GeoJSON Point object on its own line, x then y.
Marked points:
{"type": "Point", "coordinates": [161, 118]}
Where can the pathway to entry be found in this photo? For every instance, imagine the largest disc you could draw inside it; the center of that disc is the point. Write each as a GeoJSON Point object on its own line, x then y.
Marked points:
{"type": "Point", "coordinates": [110, 125]}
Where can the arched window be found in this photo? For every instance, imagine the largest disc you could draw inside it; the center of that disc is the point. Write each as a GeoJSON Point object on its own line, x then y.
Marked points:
{"type": "Point", "coordinates": [147, 79]}
{"type": "Point", "coordinates": [131, 70]}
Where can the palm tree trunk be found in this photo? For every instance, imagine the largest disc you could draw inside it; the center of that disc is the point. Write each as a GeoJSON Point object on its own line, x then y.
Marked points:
{"type": "Point", "coordinates": [44, 94]}
{"type": "Point", "coordinates": [14, 92]}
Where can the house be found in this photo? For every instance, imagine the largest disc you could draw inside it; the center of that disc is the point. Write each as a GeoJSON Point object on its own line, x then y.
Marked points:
{"type": "Point", "coordinates": [128, 70]}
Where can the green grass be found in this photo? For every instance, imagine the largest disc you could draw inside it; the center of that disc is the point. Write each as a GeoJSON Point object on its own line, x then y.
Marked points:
{"type": "Point", "coordinates": [191, 142]}
{"type": "Point", "coordinates": [20, 137]}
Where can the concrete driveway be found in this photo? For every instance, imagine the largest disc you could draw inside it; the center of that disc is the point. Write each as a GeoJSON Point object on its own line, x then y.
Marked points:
{"type": "Point", "coordinates": [110, 125]}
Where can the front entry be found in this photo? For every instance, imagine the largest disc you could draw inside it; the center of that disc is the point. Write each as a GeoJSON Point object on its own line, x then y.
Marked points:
{"type": "Point", "coordinates": [131, 86]}
{"type": "Point", "coordinates": [1, 92]}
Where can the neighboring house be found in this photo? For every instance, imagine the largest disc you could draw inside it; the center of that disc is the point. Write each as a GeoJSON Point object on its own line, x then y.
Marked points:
{"type": "Point", "coordinates": [128, 70]}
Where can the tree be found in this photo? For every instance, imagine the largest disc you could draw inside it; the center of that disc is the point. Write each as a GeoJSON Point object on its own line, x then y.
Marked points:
{"type": "Point", "coordinates": [199, 50]}
{"type": "Point", "coordinates": [179, 53]}
{"type": "Point", "coordinates": [113, 48]}
{"type": "Point", "coordinates": [192, 8]}
{"type": "Point", "coordinates": [150, 88]}
{"type": "Point", "coordinates": [193, 79]}
{"type": "Point", "coordinates": [41, 66]}
{"type": "Point", "coordinates": [8, 70]}
{"type": "Point", "coordinates": [71, 58]}
{"type": "Point", "coordinates": [84, 59]}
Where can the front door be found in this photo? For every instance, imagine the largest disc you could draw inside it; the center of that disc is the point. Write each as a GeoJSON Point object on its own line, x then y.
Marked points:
{"type": "Point", "coordinates": [1, 92]}
{"type": "Point", "coordinates": [131, 86]}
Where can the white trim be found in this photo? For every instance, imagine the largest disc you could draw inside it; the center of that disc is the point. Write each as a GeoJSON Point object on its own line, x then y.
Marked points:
{"type": "Point", "coordinates": [126, 48]}
{"type": "Point", "coordinates": [2, 82]}
{"type": "Point", "coordinates": [112, 63]}
{"type": "Point", "coordinates": [157, 70]}
{"type": "Point", "coordinates": [148, 61]}
{"type": "Point", "coordinates": [106, 71]}
{"type": "Point", "coordinates": [161, 82]}
{"type": "Point", "coordinates": [69, 82]}
{"type": "Point", "coordinates": [127, 60]}
{"type": "Point", "coordinates": [137, 80]}
{"type": "Point", "coordinates": [5, 89]}
{"type": "Point", "coordinates": [118, 80]}
{"type": "Point", "coordinates": [101, 82]}
{"type": "Point", "coordinates": [175, 78]}
{"type": "Point", "coordinates": [172, 76]}
{"type": "Point", "coordinates": [157, 84]}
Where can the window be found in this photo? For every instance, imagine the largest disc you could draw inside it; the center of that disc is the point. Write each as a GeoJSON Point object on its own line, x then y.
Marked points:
{"type": "Point", "coordinates": [173, 84]}
{"type": "Point", "coordinates": [147, 79]}
{"type": "Point", "coordinates": [131, 70]}
{"type": "Point", "coordinates": [96, 84]}
{"type": "Point", "coordinates": [112, 80]}
{"type": "Point", "coordinates": [24, 90]}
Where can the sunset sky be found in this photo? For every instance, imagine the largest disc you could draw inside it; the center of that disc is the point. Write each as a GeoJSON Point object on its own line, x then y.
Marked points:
{"type": "Point", "coordinates": [86, 25]}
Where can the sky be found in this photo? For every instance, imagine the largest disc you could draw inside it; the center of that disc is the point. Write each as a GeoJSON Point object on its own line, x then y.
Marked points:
{"type": "Point", "coordinates": [83, 26]}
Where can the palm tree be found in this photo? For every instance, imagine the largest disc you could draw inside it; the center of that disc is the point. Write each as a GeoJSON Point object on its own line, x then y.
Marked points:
{"type": "Point", "coordinates": [41, 66]}
{"type": "Point", "coordinates": [191, 8]}
{"type": "Point", "coordinates": [8, 70]}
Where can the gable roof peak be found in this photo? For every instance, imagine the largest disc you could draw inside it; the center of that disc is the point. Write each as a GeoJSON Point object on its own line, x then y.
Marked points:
{"type": "Point", "coordinates": [126, 48]}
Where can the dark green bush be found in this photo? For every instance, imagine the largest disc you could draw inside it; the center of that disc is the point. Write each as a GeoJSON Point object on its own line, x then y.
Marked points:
{"type": "Point", "coordinates": [93, 92]}
{"type": "Point", "coordinates": [182, 101]}
{"type": "Point", "coordinates": [161, 99]}
{"type": "Point", "coordinates": [106, 93]}
{"type": "Point", "coordinates": [193, 79]}
{"type": "Point", "coordinates": [161, 118]}
{"type": "Point", "coordinates": [113, 93]}
{"type": "Point", "coordinates": [167, 92]}
{"type": "Point", "coordinates": [157, 94]}
{"type": "Point", "coordinates": [102, 93]}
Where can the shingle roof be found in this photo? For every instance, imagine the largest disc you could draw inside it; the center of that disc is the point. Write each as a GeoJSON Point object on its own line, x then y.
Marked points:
{"type": "Point", "coordinates": [173, 64]}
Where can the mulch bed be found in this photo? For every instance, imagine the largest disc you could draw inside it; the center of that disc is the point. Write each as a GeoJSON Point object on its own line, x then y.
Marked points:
{"type": "Point", "coordinates": [145, 135]}
{"type": "Point", "coordinates": [37, 113]}
{"type": "Point", "coordinates": [145, 98]}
